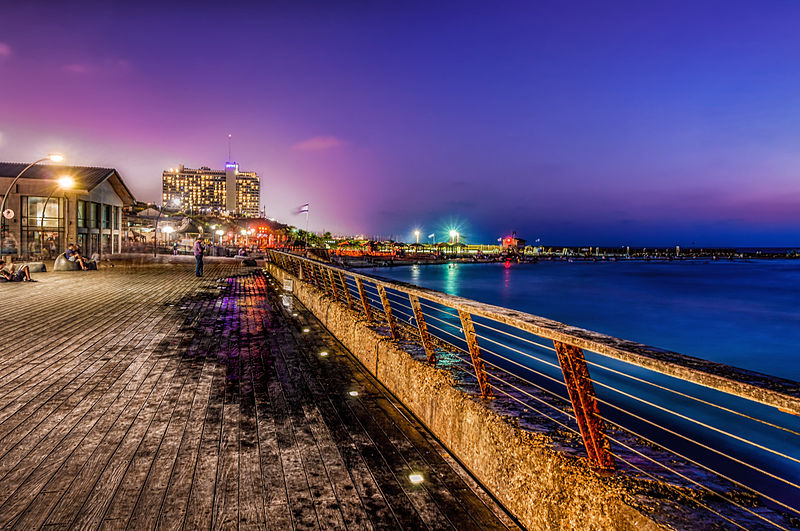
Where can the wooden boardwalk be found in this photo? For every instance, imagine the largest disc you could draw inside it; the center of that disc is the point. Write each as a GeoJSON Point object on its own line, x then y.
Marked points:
{"type": "Point", "coordinates": [146, 398]}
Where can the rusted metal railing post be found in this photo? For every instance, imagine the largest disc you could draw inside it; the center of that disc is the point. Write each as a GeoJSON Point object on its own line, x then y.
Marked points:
{"type": "Point", "coordinates": [364, 300]}
{"type": "Point", "coordinates": [315, 275]}
{"type": "Point", "coordinates": [320, 276]}
{"type": "Point", "coordinates": [584, 404]}
{"type": "Point", "coordinates": [346, 291]}
{"type": "Point", "coordinates": [323, 274]}
{"type": "Point", "coordinates": [475, 353]}
{"type": "Point", "coordinates": [387, 308]}
{"type": "Point", "coordinates": [333, 285]}
{"type": "Point", "coordinates": [423, 330]}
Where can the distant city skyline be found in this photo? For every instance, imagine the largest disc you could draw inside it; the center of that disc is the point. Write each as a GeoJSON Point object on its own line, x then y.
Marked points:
{"type": "Point", "coordinates": [608, 124]}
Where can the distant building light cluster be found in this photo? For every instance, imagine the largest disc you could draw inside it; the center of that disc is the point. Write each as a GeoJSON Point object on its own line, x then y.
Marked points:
{"type": "Point", "coordinates": [207, 191]}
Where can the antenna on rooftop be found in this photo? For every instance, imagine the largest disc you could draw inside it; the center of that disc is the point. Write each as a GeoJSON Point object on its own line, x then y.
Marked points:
{"type": "Point", "coordinates": [229, 147]}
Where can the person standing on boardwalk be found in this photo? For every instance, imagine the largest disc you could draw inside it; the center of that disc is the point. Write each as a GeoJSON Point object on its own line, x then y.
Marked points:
{"type": "Point", "coordinates": [199, 249]}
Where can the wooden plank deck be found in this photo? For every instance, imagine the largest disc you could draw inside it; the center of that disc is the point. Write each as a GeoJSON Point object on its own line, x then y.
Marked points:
{"type": "Point", "coordinates": [147, 398]}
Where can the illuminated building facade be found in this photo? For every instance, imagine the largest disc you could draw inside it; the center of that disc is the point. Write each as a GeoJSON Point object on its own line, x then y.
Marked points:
{"type": "Point", "coordinates": [207, 191]}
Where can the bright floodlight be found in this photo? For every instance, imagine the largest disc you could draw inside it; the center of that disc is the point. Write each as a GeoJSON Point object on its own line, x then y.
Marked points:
{"type": "Point", "coordinates": [66, 182]}
{"type": "Point", "coordinates": [220, 232]}
{"type": "Point", "coordinates": [55, 157]}
{"type": "Point", "coordinates": [168, 229]}
{"type": "Point", "coordinates": [244, 232]}
{"type": "Point", "coordinates": [453, 233]}
{"type": "Point", "coordinates": [416, 478]}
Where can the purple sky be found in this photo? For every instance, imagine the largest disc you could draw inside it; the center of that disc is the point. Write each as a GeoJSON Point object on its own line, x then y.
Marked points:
{"type": "Point", "coordinates": [639, 123]}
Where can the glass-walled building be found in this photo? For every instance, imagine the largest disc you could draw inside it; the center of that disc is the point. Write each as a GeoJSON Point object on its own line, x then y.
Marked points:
{"type": "Point", "coordinates": [51, 206]}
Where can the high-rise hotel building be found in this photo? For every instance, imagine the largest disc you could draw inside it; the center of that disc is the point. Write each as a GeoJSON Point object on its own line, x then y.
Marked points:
{"type": "Point", "coordinates": [204, 190]}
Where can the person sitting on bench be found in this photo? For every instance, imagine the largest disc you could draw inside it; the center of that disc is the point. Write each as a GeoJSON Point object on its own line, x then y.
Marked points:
{"type": "Point", "coordinates": [73, 255]}
{"type": "Point", "coordinates": [22, 274]}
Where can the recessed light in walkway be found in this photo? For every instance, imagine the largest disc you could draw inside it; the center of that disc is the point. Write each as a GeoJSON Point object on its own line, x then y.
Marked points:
{"type": "Point", "coordinates": [353, 393]}
{"type": "Point", "coordinates": [306, 330]}
{"type": "Point", "coordinates": [416, 479]}
{"type": "Point", "coordinates": [323, 354]}
{"type": "Point", "coordinates": [294, 315]}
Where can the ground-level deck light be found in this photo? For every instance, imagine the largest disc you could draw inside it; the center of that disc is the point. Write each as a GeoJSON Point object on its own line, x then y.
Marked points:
{"type": "Point", "coordinates": [416, 479]}
{"type": "Point", "coordinates": [323, 354]}
{"type": "Point", "coordinates": [306, 330]}
{"type": "Point", "coordinates": [353, 393]}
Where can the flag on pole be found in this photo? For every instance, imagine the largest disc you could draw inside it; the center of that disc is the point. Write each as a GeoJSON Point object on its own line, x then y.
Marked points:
{"type": "Point", "coordinates": [303, 209]}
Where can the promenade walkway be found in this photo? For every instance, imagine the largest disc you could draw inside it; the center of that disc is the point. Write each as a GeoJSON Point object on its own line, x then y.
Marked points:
{"type": "Point", "coordinates": [146, 398]}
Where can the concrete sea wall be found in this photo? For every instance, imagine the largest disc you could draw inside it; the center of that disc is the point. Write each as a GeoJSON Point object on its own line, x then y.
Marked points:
{"type": "Point", "coordinates": [542, 487]}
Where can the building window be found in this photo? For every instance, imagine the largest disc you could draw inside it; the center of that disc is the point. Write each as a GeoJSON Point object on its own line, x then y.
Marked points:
{"type": "Point", "coordinates": [42, 234]}
{"type": "Point", "coordinates": [106, 210]}
{"type": "Point", "coordinates": [116, 219]}
{"type": "Point", "coordinates": [81, 214]}
{"type": "Point", "coordinates": [93, 211]}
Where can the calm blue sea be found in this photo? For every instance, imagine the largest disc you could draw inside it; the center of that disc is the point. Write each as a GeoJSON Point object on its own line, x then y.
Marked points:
{"type": "Point", "coordinates": [743, 313]}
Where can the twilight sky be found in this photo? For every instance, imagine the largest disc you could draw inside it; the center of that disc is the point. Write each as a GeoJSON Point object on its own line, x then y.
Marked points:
{"type": "Point", "coordinates": [610, 123]}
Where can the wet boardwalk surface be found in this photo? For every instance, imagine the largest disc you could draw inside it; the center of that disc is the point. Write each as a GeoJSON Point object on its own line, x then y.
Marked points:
{"type": "Point", "coordinates": [146, 398]}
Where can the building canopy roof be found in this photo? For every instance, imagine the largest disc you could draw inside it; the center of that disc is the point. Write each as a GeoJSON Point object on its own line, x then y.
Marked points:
{"type": "Point", "coordinates": [86, 177]}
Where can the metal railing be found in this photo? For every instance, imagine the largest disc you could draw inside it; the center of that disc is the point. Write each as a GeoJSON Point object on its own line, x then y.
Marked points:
{"type": "Point", "coordinates": [726, 439]}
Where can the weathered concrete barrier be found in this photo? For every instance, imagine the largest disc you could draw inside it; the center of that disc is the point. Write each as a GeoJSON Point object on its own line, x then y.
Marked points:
{"type": "Point", "coordinates": [542, 487]}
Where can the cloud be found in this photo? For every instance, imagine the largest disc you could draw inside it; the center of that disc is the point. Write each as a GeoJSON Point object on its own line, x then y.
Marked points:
{"type": "Point", "coordinates": [5, 50]}
{"type": "Point", "coordinates": [319, 143]}
{"type": "Point", "coordinates": [77, 68]}
{"type": "Point", "coordinates": [108, 66]}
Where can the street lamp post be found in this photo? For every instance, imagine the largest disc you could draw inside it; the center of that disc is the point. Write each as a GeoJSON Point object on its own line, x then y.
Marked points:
{"type": "Point", "coordinates": [416, 234]}
{"type": "Point", "coordinates": [54, 157]}
{"type": "Point", "coordinates": [176, 202]}
{"type": "Point", "coordinates": [65, 183]}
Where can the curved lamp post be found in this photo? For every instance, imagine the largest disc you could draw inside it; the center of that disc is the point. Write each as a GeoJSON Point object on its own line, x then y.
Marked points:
{"type": "Point", "coordinates": [53, 157]}
{"type": "Point", "coordinates": [64, 183]}
{"type": "Point", "coordinates": [176, 202]}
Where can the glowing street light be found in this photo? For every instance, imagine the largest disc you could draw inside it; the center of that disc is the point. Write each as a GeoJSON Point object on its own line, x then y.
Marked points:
{"type": "Point", "coordinates": [416, 235]}
{"type": "Point", "coordinates": [66, 182]}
